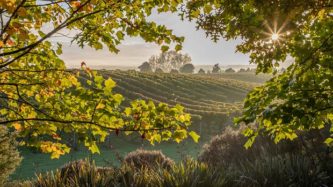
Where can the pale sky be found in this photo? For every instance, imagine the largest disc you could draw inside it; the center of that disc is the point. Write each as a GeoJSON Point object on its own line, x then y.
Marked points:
{"type": "Point", "coordinates": [134, 51]}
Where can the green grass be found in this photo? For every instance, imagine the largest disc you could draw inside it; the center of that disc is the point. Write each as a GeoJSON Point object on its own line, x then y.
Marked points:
{"type": "Point", "coordinates": [209, 98]}
{"type": "Point", "coordinates": [39, 163]}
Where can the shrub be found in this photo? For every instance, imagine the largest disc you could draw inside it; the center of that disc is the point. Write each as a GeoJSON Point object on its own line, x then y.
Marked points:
{"type": "Point", "coordinates": [225, 149]}
{"type": "Point", "coordinates": [9, 155]}
{"type": "Point", "coordinates": [228, 148]}
{"type": "Point", "coordinates": [147, 159]}
{"type": "Point", "coordinates": [305, 161]}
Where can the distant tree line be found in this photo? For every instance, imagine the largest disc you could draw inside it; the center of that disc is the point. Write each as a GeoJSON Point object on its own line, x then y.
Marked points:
{"type": "Point", "coordinates": [175, 62]}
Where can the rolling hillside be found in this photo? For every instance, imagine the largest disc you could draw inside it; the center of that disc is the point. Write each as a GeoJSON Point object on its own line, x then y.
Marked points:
{"type": "Point", "coordinates": [209, 98]}
{"type": "Point", "coordinates": [201, 95]}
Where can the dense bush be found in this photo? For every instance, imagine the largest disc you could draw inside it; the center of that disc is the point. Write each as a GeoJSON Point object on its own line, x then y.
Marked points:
{"type": "Point", "coordinates": [148, 159]}
{"type": "Point", "coordinates": [225, 149]}
{"type": "Point", "coordinates": [9, 155]}
{"type": "Point", "coordinates": [305, 161]}
{"type": "Point", "coordinates": [228, 147]}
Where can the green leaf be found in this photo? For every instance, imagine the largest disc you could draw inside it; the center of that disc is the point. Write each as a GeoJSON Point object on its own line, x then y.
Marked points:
{"type": "Point", "coordinates": [194, 136]}
{"type": "Point", "coordinates": [164, 48]}
{"type": "Point", "coordinates": [94, 148]}
{"type": "Point", "coordinates": [329, 141]}
{"type": "Point", "coordinates": [109, 85]}
{"type": "Point", "coordinates": [178, 47]}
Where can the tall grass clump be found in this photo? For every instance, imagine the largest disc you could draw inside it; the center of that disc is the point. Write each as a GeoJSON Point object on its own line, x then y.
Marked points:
{"type": "Point", "coordinates": [83, 173]}
{"type": "Point", "coordinates": [186, 173]}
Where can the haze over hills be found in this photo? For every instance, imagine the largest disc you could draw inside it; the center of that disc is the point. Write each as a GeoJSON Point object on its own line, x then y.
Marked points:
{"type": "Point", "coordinates": [197, 67]}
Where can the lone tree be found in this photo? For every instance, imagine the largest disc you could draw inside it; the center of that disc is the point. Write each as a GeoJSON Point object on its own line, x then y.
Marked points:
{"type": "Point", "coordinates": [41, 99]}
{"type": "Point", "coordinates": [216, 69]}
{"type": "Point", "coordinates": [230, 70]}
{"type": "Point", "coordinates": [145, 67]}
{"type": "Point", "coordinates": [169, 60]}
{"type": "Point", "coordinates": [187, 68]}
{"type": "Point", "coordinates": [298, 99]}
{"type": "Point", "coordinates": [201, 71]}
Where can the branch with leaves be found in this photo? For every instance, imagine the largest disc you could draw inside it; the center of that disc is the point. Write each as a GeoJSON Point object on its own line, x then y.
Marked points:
{"type": "Point", "coordinates": [275, 32]}
{"type": "Point", "coordinates": [41, 99]}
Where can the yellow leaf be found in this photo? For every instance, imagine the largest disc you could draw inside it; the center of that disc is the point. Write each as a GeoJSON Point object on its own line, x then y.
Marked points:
{"type": "Point", "coordinates": [100, 106]}
{"type": "Point", "coordinates": [22, 11]}
{"type": "Point", "coordinates": [17, 126]}
{"type": "Point", "coordinates": [194, 136]}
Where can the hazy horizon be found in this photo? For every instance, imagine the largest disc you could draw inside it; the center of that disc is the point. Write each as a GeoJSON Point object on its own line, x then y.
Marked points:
{"type": "Point", "coordinates": [134, 51]}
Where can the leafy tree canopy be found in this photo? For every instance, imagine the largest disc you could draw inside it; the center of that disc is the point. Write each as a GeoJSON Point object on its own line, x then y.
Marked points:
{"type": "Point", "coordinates": [159, 70]}
{"type": "Point", "coordinates": [300, 98]}
{"type": "Point", "coordinates": [41, 100]}
{"type": "Point", "coordinates": [174, 71]}
{"type": "Point", "coordinates": [216, 69]}
{"type": "Point", "coordinates": [187, 68]}
{"type": "Point", "coordinates": [145, 67]}
{"type": "Point", "coordinates": [230, 70]}
{"type": "Point", "coordinates": [201, 71]}
{"type": "Point", "coordinates": [242, 70]}
{"type": "Point", "coordinates": [169, 60]}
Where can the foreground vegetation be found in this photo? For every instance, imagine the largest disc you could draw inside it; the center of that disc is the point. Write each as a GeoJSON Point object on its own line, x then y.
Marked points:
{"type": "Point", "coordinates": [223, 162]}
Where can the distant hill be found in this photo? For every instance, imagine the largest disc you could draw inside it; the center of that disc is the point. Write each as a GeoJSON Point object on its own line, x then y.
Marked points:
{"type": "Point", "coordinates": [197, 67]}
{"type": "Point", "coordinates": [224, 67]}
{"type": "Point", "coordinates": [209, 98]}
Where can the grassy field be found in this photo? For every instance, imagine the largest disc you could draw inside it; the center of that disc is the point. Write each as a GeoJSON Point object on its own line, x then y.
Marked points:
{"type": "Point", "coordinates": [209, 98]}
